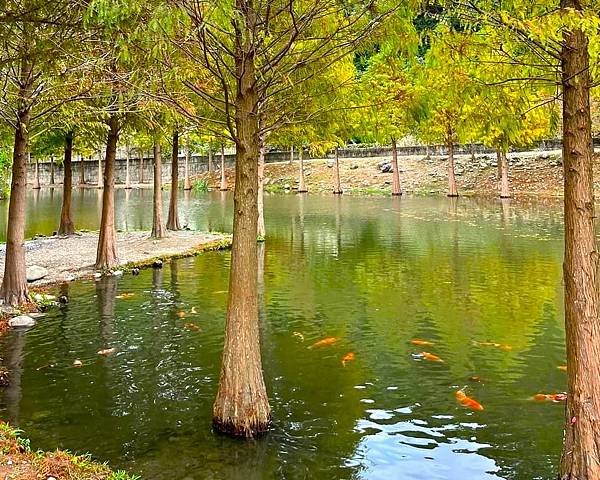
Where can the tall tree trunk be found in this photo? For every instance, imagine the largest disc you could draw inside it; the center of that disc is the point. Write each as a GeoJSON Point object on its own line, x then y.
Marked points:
{"type": "Point", "coordinates": [261, 231]}
{"type": "Point", "coordinates": [337, 187]}
{"type": "Point", "coordinates": [66, 222]}
{"type": "Point", "coordinates": [127, 162]}
{"type": "Point", "coordinates": [223, 177]}
{"type": "Point", "coordinates": [291, 154]}
{"type": "Point", "coordinates": [141, 175]}
{"type": "Point", "coordinates": [396, 188]}
{"type": "Point", "coordinates": [301, 184]}
{"type": "Point", "coordinates": [158, 228]}
{"type": "Point", "coordinates": [81, 170]}
{"type": "Point", "coordinates": [472, 148]}
{"type": "Point", "coordinates": [100, 174]}
{"type": "Point", "coordinates": [452, 189]}
{"type": "Point", "coordinates": [106, 255]}
{"type": "Point", "coordinates": [504, 183]}
{"type": "Point", "coordinates": [499, 165]}
{"type": "Point", "coordinates": [36, 180]}
{"type": "Point", "coordinates": [52, 170]}
{"type": "Point", "coordinates": [580, 459]}
{"type": "Point", "coordinates": [210, 160]}
{"type": "Point", "coordinates": [173, 217]}
{"type": "Point", "coordinates": [241, 406]}
{"type": "Point", "coordinates": [187, 184]}
{"type": "Point", "coordinates": [14, 284]}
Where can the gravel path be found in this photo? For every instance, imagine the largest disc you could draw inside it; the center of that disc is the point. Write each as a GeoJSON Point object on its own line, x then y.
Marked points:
{"type": "Point", "coordinates": [68, 258]}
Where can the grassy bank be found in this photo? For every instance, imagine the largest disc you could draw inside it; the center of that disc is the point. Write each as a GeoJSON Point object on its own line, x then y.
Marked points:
{"type": "Point", "coordinates": [19, 461]}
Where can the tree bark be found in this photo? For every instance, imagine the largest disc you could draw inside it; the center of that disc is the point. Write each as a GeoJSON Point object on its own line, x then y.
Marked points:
{"type": "Point", "coordinates": [261, 231]}
{"type": "Point", "coordinates": [106, 255]}
{"type": "Point", "coordinates": [158, 228]}
{"type": "Point", "coordinates": [14, 285]}
{"type": "Point", "coordinates": [173, 216]}
{"type": "Point", "coordinates": [210, 160]}
{"type": "Point", "coordinates": [291, 154]}
{"type": "Point", "coordinates": [81, 170]}
{"type": "Point", "coordinates": [52, 170]}
{"type": "Point", "coordinates": [66, 226]}
{"type": "Point", "coordinates": [504, 183]}
{"type": "Point", "coordinates": [396, 188]}
{"type": "Point", "coordinates": [241, 406]}
{"type": "Point", "coordinates": [337, 187]}
{"type": "Point", "coordinates": [301, 184]}
{"type": "Point", "coordinates": [187, 184]}
{"type": "Point", "coordinates": [580, 459]}
{"type": "Point", "coordinates": [141, 175]}
{"type": "Point", "coordinates": [127, 162]}
{"type": "Point", "coordinates": [100, 174]}
{"type": "Point", "coordinates": [452, 189]}
{"type": "Point", "coordinates": [36, 180]}
{"type": "Point", "coordinates": [223, 187]}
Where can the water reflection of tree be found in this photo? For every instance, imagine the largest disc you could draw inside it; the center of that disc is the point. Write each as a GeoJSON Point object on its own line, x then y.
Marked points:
{"type": "Point", "coordinates": [14, 359]}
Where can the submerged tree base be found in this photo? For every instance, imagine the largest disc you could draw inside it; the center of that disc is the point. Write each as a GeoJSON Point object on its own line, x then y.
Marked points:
{"type": "Point", "coordinates": [19, 461]}
{"type": "Point", "coordinates": [250, 429]}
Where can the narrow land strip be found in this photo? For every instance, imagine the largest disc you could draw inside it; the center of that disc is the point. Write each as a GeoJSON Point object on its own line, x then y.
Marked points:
{"type": "Point", "coordinates": [73, 257]}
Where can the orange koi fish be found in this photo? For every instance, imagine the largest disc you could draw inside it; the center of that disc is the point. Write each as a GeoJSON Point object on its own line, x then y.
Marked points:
{"type": "Point", "coordinates": [193, 311]}
{"type": "Point", "coordinates": [551, 397]}
{"type": "Point", "coordinates": [181, 314]}
{"type": "Point", "coordinates": [325, 342]}
{"type": "Point", "coordinates": [562, 367]}
{"type": "Point", "coordinates": [348, 358]}
{"type": "Point", "coordinates": [467, 401]}
{"type": "Point", "coordinates": [420, 342]}
{"type": "Point", "coordinates": [125, 295]}
{"type": "Point", "coordinates": [192, 326]}
{"type": "Point", "coordinates": [475, 378]}
{"type": "Point", "coordinates": [107, 351]}
{"type": "Point", "coordinates": [431, 357]}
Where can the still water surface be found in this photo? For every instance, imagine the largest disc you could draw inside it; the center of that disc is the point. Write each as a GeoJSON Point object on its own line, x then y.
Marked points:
{"type": "Point", "coordinates": [376, 272]}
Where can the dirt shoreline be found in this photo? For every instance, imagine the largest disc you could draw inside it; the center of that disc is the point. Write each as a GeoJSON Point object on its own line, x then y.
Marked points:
{"type": "Point", "coordinates": [70, 258]}
{"type": "Point", "coordinates": [538, 174]}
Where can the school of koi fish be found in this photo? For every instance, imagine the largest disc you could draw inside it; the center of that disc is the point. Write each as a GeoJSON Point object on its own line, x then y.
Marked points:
{"type": "Point", "coordinates": [461, 397]}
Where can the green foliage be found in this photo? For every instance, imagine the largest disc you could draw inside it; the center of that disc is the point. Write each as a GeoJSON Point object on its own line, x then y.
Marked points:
{"type": "Point", "coordinates": [5, 166]}
{"type": "Point", "coordinates": [200, 186]}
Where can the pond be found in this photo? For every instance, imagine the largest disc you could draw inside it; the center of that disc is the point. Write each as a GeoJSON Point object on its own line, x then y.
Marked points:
{"type": "Point", "coordinates": [375, 272]}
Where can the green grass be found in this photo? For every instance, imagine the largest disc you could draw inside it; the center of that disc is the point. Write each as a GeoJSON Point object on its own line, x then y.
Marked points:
{"type": "Point", "coordinates": [200, 186]}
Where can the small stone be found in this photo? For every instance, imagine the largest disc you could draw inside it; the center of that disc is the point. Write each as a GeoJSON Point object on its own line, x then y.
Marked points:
{"type": "Point", "coordinates": [77, 363]}
{"type": "Point", "coordinates": [63, 299]}
{"type": "Point", "coordinates": [97, 275]}
{"type": "Point", "coordinates": [354, 166]}
{"type": "Point", "coordinates": [8, 310]}
{"type": "Point", "coordinates": [135, 271]}
{"type": "Point", "coordinates": [35, 272]}
{"type": "Point", "coordinates": [117, 273]}
{"type": "Point", "coordinates": [36, 315]}
{"type": "Point", "coordinates": [21, 321]}
{"type": "Point", "coordinates": [329, 164]}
